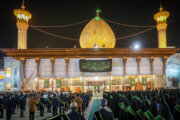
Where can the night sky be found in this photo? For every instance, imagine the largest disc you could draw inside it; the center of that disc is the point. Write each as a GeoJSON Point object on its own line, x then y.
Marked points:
{"type": "Point", "coordinates": [59, 12]}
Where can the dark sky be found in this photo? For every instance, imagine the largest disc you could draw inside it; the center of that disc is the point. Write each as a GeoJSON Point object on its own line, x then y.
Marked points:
{"type": "Point", "coordinates": [59, 12]}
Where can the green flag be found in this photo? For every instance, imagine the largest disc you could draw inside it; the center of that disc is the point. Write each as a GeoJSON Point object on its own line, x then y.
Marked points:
{"type": "Point", "coordinates": [132, 81]}
{"type": "Point", "coordinates": [46, 83]}
{"type": "Point", "coordinates": [58, 83]}
{"type": "Point", "coordinates": [144, 81]}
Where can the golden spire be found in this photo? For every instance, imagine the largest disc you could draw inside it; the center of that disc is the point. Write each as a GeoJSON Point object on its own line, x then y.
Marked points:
{"type": "Point", "coordinates": [22, 6]}
{"type": "Point", "coordinates": [161, 7]}
{"type": "Point", "coordinates": [98, 11]}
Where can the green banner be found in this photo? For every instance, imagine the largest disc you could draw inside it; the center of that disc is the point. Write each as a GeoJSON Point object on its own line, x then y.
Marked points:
{"type": "Point", "coordinates": [132, 81]}
{"type": "Point", "coordinates": [144, 81]}
{"type": "Point", "coordinates": [58, 83]}
{"type": "Point", "coordinates": [46, 83]}
{"type": "Point", "coordinates": [95, 65]}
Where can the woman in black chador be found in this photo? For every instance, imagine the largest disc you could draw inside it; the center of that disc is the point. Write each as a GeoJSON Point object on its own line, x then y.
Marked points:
{"type": "Point", "coordinates": [164, 109]}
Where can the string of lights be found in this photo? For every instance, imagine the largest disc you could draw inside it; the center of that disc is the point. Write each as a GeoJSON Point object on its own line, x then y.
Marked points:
{"type": "Point", "coordinates": [127, 25]}
{"type": "Point", "coordinates": [68, 38]}
{"type": "Point", "coordinates": [132, 35]}
{"type": "Point", "coordinates": [77, 23]}
{"type": "Point", "coordinates": [58, 36]}
{"type": "Point", "coordinates": [60, 26]}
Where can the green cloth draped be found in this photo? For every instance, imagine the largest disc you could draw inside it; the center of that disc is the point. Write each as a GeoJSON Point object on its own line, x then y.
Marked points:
{"type": "Point", "coordinates": [148, 101]}
{"type": "Point", "coordinates": [124, 108]}
{"type": "Point", "coordinates": [130, 110]}
{"type": "Point", "coordinates": [177, 107]}
{"type": "Point", "coordinates": [39, 101]}
{"type": "Point", "coordinates": [149, 115]}
{"type": "Point", "coordinates": [49, 100]}
{"type": "Point", "coordinates": [140, 113]}
{"type": "Point", "coordinates": [61, 101]}
{"type": "Point", "coordinates": [159, 117]}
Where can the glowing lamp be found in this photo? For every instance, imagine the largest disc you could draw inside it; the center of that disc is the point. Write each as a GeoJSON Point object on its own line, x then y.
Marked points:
{"type": "Point", "coordinates": [136, 46]}
{"type": "Point", "coordinates": [22, 15]}
{"type": "Point", "coordinates": [95, 46]}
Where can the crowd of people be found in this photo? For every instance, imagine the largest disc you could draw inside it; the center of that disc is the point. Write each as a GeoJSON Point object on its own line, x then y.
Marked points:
{"type": "Point", "coordinates": [163, 104]}
{"type": "Point", "coordinates": [56, 103]}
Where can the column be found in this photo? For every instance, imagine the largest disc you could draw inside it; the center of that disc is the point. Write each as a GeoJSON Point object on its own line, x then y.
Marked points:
{"type": "Point", "coordinates": [37, 65]}
{"type": "Point", "coordinates": [23, 61]}
{"type": "Point", "coordinates": [110, 81]}
{"type": "Point", "coordinates": [124, 67]}
{"type": "Point", "coordinates": [138, 59]}
{"type": "Point", "coordinates": [67, 69]}
{"type": "Point", "coordinates": [82, 82]}
{"type": "Point", "coordinates": [152, 72]}
{"type": "Point", "coordinates": [82, 76]}
{"type": "Point", "coordinates": [164, 71]}
{"type": "Point", "coordinates": [52, 77]}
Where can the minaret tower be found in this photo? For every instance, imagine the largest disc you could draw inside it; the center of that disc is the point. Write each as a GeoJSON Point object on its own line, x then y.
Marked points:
{"type": "Point", "coordinates": [23, 17]}
{"type": "Point", "coordinates": [161, 19]}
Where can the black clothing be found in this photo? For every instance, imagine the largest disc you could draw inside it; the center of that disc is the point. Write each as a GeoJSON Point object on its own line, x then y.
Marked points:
{"type": "Point", "coordinates": [106, 115]}
{"type": "Point", "coordinates": [22, 103]}
{"type": "Point", "coordinates": [1, 107]}
{"type": "Point", "coordinates": [73, 115]}
{"type": "Point", "coordinates": [9, 107]}
{"type": "Point", "coordinates": [31, 115]}
{"type": "Point", "coordinates": [42, 106]}
{"type": "Point", "coordinates": [164, 110]}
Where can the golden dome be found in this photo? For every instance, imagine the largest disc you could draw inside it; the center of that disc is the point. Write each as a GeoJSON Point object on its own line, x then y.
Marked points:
{"type": "Point", "coordinates": [97, 33]}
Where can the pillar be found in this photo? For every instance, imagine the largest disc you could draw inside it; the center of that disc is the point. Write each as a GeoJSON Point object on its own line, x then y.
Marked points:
{"type": "Point", "coordinates": [22, 35]}
{"type": "Point", "coordinates": [52, 77]}
{"type": "Point", "coordinates": [67, 69]}
{"type": "Point", "coordinates": [110, 81]}
{"type": "Point", "coordinates": [124, 68]}
{"type": "Point", "coordinates": [152, 72]}
{"type": "Point", "coordinates": [164, 71]}
{"type": "Point", "coordinates": [82, 79]}
{"type": "Point", "coordinates": [82, 82]}
{"type": "Point", "coordinates": [138, 59]}
{"type": "Point", "coordinates": [37, 65]}
{"type": "Point", "coordinates": [23, 61]}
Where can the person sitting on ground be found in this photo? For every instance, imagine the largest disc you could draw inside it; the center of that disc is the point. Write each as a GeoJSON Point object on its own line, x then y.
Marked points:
{"type": "Point", "coordinates": [103, 113]}
{"type": "Point", "coordinates": [73, 115]}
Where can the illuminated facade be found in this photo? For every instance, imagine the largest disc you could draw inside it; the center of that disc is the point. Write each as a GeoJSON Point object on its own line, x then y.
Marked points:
{"type": "Point", "coordinates": [58, 69]}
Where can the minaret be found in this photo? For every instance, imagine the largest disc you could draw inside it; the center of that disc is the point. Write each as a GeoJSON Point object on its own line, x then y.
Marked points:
{"type": "Point", "coordinates": [23, 17]}
{"type": "Point", "coordinates": [161, 19]}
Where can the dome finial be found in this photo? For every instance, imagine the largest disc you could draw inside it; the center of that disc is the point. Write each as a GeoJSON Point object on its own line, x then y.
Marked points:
{"type": "Point", "coordinates": [22, 6]}
{"type": "Point", "coordinates": [98, 11]}
{"type": "Point", "coordinates": [161, 7]}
